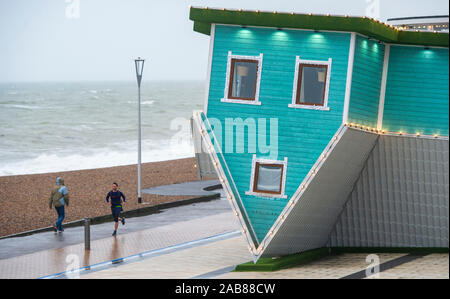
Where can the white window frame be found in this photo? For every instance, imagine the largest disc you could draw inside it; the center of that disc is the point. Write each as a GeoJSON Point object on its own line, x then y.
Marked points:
{"type": "Point", "coordinates": [258, 59]}
{"type": "Point", "coordinates": [252, 179]}
{"type": "Point", "coordinates": [299, 61]}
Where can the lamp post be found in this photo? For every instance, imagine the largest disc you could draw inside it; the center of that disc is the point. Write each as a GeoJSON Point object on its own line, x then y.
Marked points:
{"type": "Point", "coordinates": [139, 63]}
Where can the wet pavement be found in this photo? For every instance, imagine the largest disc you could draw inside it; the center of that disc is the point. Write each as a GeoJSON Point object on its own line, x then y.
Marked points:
{"type": "Point", "coordinates": [17, 246]}
{"type": "Point", "coordinates": [45, 254]}
{"type": "Point", "coordinates": [202, 261]}
{"type": "Point", "coordinates": [53, 261]}
{"type": "Point", "coordinates": [201, 240]}
{"type": "Point", "coordinates": [434, 266]}
{"type": "Point", "coordinates": [12, 247]}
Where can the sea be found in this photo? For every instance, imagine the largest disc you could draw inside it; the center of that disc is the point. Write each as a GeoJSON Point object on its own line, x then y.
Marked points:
{"type": "Point", "coordinates": [60, 126]}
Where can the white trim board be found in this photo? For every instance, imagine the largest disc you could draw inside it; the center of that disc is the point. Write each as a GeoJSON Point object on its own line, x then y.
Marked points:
{"type": "Point", "coordinates": [383, 86]}
{"type": "Point", "coordinates": [348, 86]}
{"type": "Point", "coordinates": [299, 61]}
{"type": "Point", "coordinates": [208, 72]}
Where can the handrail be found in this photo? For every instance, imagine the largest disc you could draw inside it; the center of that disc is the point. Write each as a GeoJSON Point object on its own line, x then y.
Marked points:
{"type": "Point", "coordinates": [227, 174]}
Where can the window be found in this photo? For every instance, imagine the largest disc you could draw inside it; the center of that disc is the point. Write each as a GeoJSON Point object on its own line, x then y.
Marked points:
{"type": "Point", "coordinates": [311, 84]}
{"type": "Point", "coordinates": [268, 178]}
{"type": "Point", "coordinates": [243, 77]}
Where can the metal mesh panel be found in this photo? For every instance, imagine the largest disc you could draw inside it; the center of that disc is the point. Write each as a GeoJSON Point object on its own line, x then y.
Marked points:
{"type": "Point", "coordinates": [401, 198]}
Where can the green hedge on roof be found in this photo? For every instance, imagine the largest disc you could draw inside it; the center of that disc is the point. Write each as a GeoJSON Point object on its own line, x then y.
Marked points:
{"type": "Point", "coordinates": [204, 17]}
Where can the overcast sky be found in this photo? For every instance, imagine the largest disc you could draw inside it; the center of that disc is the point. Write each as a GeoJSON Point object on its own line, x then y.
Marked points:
{"type": "Point", "coordinates": [38, 42]}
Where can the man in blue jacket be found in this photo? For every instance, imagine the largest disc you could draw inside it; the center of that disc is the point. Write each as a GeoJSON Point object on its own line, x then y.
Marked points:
{"type": "Point", "coordinates": [116, 205]}
{"type": "Point", "coordinates": [59, 198]}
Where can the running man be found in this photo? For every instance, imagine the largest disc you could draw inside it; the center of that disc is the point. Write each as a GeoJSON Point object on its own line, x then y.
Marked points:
{"type": "Point", "coordinates": [59, 198]}
{"type": "Point", "coordinates": [116, 205]}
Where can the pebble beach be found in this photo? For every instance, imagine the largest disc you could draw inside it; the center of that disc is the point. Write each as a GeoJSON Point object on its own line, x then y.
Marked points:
{"type": "Point", "coordinates": [24, 198]}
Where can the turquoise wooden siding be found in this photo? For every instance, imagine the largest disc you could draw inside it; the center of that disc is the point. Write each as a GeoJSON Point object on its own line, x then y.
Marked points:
{"type": "Point", "coordinates": [417, 91]}
{"type": "Point", "coordinates": [366, 82]}
{"type": "Point", "coordinates": [302, 133]}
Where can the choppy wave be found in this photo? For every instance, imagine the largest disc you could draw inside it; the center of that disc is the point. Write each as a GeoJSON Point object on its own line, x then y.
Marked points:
{"type": "Point", "coordinates": [18, 106]}
{"type": "Point", "coordinates": [52, 127]}
{"type": "Point", "coordinates": [151, 102]}
{"type": "Point", "coordinates": [100, 158]}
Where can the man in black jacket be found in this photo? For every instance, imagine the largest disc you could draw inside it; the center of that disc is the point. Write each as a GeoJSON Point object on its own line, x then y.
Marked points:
{"type": "Point", "coordinates": [116, 205]}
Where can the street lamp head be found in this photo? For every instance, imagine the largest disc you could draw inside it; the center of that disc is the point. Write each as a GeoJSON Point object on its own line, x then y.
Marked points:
{"type": "Point", "coordinates": [139, 63]}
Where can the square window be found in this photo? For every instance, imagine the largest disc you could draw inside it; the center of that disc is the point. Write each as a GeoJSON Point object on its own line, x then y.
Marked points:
{"type": "Point", "coordinates": [268, 178]}
{"type": "Point", "coordinates": [311, 84]}
{"type": "Point", "coordinates": [244, 75]}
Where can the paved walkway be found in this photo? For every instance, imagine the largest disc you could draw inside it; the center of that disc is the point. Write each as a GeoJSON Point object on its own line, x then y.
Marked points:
{"type": "Point", "coordinates": [197, 241]}
{"type": "Point", "coordinates": [18, 246]}
{"type": "Point", "coordinates": [216, 260]}
{"type": "Point", "coordinates": [430, 267]}
{"type": "Point", "coordinates": [195, 262]}
{"type": "Point", "coordinates": [332, 267]}
{"type": "Point", "coordinates": [48, 262]}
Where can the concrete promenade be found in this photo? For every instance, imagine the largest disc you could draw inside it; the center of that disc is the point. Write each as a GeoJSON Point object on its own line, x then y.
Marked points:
{"type": "Point", "coordinates": [201, 240]}
{"type": "Point", "coordinates": [57, 260]}
{"type": "Point", "coordinates": [48, 253]}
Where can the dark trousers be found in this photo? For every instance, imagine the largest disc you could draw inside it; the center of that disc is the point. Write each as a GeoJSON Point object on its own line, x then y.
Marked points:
{"type": "Point", "coordinates": [115, 210]}
{"type": "Point", "coordinates": [61, 216]}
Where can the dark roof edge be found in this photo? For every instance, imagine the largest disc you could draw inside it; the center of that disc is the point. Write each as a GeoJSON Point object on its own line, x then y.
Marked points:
{"type": "Point", "coordinates": [204, 17]}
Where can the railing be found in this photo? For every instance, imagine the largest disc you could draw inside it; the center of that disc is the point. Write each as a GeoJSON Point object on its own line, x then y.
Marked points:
{"type": "Point", "coordinates": [225, 177]}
